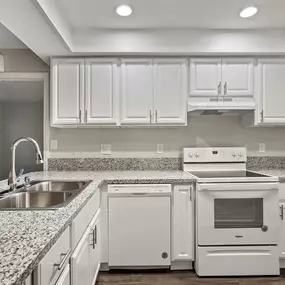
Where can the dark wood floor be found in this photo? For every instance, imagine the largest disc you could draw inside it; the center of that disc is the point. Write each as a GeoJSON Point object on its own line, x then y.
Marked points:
{"type": "Point", "coordinates": [181, 278]}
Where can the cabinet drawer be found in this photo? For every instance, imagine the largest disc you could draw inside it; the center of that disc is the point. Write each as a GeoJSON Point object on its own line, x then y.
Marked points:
{"type": "Point", "coordinates": [82, 220]}
{"type": "Point", "coordinates": [53, 263]}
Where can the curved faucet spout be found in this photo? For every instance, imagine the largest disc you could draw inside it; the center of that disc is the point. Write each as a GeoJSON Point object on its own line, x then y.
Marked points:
{"type": "Point", "coordinates": [12, 181]}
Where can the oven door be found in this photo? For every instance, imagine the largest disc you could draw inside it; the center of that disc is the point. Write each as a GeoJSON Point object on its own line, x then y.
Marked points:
{"type": "Point", "coordinates": [237, 213]}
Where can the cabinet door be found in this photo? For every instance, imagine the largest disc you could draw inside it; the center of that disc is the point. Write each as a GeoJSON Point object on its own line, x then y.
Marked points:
{"type": "Point", "coordinates": [64, 278]}
{"type": "Point", "coordinates": [101, 91]}
{"type": "Point", "coordinates": [170, 91]}
{"type": "Point", "coordinates": [271, 92]}
{"type": "Point", "coordinates": [137, 92]}
{"type": "Point", "coordinates": [182, 223]}
{"type": "Point", "coordinates": [282, 232]}
{"type": "Point", "coordinates": [205, 77]}
{"type": "Point", "coordinates": [80, 269]}
{"type": "Point", "coordinates": [238, 77]}
{"type": "Point", "coordinates": [67, 91]}
{"type": "Point", "coordinates": [95, 247]}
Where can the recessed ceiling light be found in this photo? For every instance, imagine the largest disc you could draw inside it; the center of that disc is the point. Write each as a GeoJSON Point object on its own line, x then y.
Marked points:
{"type": "Point", "coordinates": [248, 12]}
{"type": "Point", "coordinates": [124, 10]}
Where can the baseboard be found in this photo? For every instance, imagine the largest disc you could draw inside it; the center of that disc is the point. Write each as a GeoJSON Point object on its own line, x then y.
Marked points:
{"type": "Point", "coordinates": [181, 265]}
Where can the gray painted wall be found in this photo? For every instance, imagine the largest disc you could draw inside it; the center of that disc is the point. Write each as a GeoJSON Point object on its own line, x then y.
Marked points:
{"type": "Point", "coordinates": [22, 60]}
{"type": "Point", "coordinates": [201, 131]}
{"type": "Point", "coordinates": [21, 120]}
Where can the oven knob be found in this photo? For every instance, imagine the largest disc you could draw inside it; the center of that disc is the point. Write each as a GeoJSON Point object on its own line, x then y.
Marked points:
{"type": "Point", "coordinates": [190, 154]}
{"type": "Point", "coordinates": [234, 154]}
{"type": "Point", "coordinates": [196, 154]}
{"type": "Point", "coordinates": [240, 154]}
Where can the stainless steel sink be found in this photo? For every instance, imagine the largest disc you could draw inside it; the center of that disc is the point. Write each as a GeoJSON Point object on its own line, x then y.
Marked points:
{"type": "Point", "coordinates": [36, 200]}
{"type": "Point", "coordinates": [56, 186]}
{"type": "Point", "coordinates": [42, 195]}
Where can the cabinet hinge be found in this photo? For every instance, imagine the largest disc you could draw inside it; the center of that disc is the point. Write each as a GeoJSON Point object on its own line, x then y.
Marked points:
{"type": "Point", "coordinates": [261, 116]}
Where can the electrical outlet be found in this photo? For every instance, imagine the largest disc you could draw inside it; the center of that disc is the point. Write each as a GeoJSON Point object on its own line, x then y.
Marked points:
{"type": "Point", "coordinates": [159, 148]}
{"type": "Point", "coordinates": [53, 144]}
{"type": "Point", "coordinates": [262, 147]}
{"type": "Point", "coordinates": [106, 148]}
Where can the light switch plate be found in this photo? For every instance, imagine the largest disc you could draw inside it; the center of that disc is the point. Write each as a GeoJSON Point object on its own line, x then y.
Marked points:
{"type": "Point", "coordinates": [159, 148]}
{"type": "Point", "coordinates": [53, 144]}
{"type": "Point", "coordinates": [262, 147]}
{"type": "Point", "coordinates": [106, 149]}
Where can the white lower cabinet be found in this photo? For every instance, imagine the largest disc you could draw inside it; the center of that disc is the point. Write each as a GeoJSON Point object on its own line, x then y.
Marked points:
{"type": "Point", "coordinates": [52, 265]}
{"type": "Point", "coordinates": [182, 223]}
{"type": "Point", "coordinates": [95, 249]}
{"type": "Point", "coordinates": [282, 232]}
{"type": "Point", "coordinates": [85, 260]}
{"type": "Point", "coordinates": [80, 272]}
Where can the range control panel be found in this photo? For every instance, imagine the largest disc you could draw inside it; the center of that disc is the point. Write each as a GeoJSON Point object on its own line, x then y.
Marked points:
{"type": "Point", "coordinates": [215, 154]}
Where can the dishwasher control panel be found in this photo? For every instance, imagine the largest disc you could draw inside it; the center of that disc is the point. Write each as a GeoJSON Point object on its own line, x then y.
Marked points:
{"type": "Point", "coordinates": [140, 189]}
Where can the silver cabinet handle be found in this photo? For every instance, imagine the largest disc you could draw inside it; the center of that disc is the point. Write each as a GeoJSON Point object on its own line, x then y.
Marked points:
{"type": "Point", "coordinates": [282, 212]}
{"type": "Point", "coordinates": [92, 243]}
{"type": "Point", "coordinates": [86, 113]}
{"type": "Point", "coordinates": [66, 256]}
{"type": "Point", "coordinates": [150, 116]}
{"type": "Point", "coordinates": [220, 88]}
{"type": "Point", "coordinates": [80, 116]}
{"type": "Point", "coordinates": [190, 193]}
{"type": "Point", "coordinates": [95, 235]}
{"type": "Point", "coordinates": [226, 88]}
{"type": "Point", "coordinates": [261, 116]}
{"type": "Point", "coordinates": [156, 114]}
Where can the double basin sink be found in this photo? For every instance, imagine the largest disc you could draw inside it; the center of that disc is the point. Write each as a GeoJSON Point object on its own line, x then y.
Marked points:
{"type": "Point", "coordinates": [42, 195]}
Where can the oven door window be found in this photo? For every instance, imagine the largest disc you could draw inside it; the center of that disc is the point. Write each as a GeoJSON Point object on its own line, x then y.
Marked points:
{"type": "Point", "coordinates": [238, 213]}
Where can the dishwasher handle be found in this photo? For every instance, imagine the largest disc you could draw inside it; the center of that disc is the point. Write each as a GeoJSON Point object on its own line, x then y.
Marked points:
{"type": "Point", "coordinates": [139, 194]}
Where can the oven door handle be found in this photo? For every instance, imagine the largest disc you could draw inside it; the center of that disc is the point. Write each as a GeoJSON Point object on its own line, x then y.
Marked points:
{"type": "Point", "coordinates": [238, 186]}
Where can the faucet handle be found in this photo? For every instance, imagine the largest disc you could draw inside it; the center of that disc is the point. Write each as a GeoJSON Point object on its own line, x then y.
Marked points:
{"type": "Point", "coordinates": [27, 181]}
{"type": "Point", "coordinates": [21, 172]}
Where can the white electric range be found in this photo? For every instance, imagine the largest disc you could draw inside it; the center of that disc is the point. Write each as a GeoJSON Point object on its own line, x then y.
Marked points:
{"type": "Point", "coordinates": [237, 214]}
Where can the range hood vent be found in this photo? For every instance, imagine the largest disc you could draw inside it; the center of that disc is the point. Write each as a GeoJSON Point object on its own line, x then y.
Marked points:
{"type": "Point", "coordinates": [221, 107]}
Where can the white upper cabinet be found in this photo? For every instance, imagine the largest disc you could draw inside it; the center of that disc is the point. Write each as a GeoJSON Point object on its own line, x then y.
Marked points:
{"type": "Point", "coordinates": [238, 77]}
{"type": "Point", "coordinates": [205, 76]}
{"type": "Point", "coordinates": [271, 95]}
{"type": "Point", "coordinates": [170, 91]}
{"type": "Point", "coordinates": [67, 91]}
{"type": "Point", "coordinates": [111, 92]}
{"type": "Point", "coordinates": [233, 77]}
{"type": "Point", "coordinates": [137, 91]}
{"type": "Point", "coordinates": [101, 91]}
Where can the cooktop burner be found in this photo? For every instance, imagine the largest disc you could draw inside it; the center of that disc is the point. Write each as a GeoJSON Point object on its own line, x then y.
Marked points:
{"type": "Point", "coordinates": [223, 174]}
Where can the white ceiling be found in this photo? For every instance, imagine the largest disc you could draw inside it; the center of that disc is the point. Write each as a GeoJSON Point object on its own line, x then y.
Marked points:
{"type": "Point", "coordinates": [8, 40]}
{"type": "Point", "coordinates": [20, 92]}
{"type": "Point", "coordinates": [210, 14]}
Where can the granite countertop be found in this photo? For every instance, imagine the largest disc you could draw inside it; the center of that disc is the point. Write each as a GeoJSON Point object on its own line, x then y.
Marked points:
{"type": "Point", "coordinates": [26, 236]}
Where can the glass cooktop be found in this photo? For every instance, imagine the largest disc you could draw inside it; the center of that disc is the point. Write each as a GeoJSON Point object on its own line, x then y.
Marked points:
{"type": "Point", "coordinates": [224, 174]}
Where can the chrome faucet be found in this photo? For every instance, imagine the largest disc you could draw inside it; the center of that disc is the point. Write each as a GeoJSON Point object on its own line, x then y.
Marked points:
{"type": "Point", "coordinates": [13, 177]}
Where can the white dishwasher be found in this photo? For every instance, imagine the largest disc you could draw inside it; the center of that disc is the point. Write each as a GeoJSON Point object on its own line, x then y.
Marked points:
{"type": "Point", "coordinates": [139, 225]}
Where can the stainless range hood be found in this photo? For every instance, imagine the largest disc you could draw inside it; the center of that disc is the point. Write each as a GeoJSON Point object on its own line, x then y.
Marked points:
{"type": "Point", "coordinates": [220, 106]}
